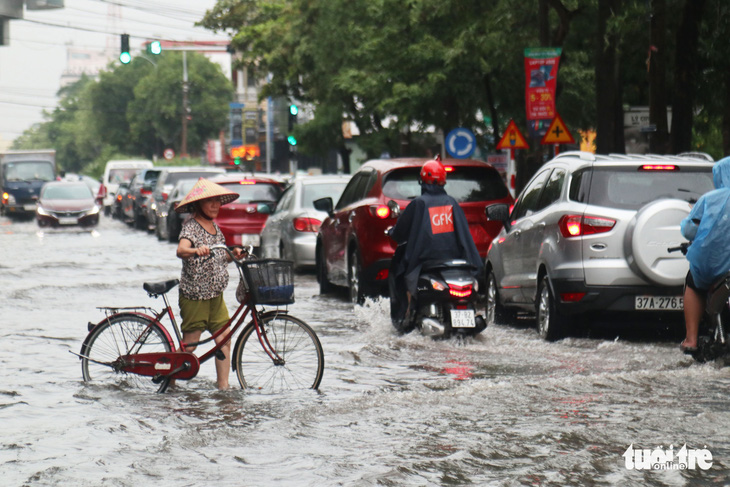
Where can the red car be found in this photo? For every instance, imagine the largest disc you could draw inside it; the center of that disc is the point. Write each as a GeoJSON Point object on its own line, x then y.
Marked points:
{"type": "Point", "coordinates": [352, 248]}
{"type": "Point", "coordinates": [242, 221]}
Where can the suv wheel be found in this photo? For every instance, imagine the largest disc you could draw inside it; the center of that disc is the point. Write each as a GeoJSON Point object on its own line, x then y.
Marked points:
{"type": "Point", "coordinates": [325, 286]}
{"type": "Point", "coordinates": [354, 278]}
{"type": "Point", "coordinates": [496, 312]}
{"type": "Point", "coordinates": [551, 325]}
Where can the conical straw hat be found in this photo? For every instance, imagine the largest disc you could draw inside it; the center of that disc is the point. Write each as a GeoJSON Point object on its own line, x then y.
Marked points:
{"type": "Point", "coordinates": [203, 190]}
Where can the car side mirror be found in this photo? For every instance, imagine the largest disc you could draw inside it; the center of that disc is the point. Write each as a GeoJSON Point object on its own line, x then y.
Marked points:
{"type": "Point", "coordinates": [498, 212]}
{"type": "Point", "coordinates": [324, 204]}
{"type": "Point", "coordinates": [264, 208]}
{"type": "Point", "coordinates": [394, 209]}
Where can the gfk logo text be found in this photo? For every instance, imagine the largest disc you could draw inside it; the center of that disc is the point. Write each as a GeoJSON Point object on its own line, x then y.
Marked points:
{"type": "Point", "coordinates": [442, 219]}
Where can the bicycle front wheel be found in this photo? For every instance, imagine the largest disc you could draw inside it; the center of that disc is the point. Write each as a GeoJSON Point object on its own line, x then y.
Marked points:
{"type": "Point", "coordinates": [296, 360]}
{"type": "Point", "coordinates": [116, 337]}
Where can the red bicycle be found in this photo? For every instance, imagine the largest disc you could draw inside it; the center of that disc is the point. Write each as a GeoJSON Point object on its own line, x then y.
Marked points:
{"type": "Point", "coordinates": [132, 348]}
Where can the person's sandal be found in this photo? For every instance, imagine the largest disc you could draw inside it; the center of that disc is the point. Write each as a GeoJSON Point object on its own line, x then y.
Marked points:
{"type": "Point", "coordinates": [687, 350]}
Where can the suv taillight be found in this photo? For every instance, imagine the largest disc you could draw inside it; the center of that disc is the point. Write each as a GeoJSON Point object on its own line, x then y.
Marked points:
{"type": "Point", "coordinates": [306, 224]}
{"type": "Point", "coordinates": [579, 225]}
{"type": "Point", "coordinates": [145, 191]}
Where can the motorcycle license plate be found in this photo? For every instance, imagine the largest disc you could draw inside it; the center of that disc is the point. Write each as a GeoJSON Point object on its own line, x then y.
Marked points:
{"type": "Point", "coordinates": [462, 318]}
{"type": "Point", "coordinates": [654, 303]}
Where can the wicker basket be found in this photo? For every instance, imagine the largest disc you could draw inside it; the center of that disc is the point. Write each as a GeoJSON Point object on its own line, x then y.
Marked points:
{"type": "Point", "coordinates": [268, 281]}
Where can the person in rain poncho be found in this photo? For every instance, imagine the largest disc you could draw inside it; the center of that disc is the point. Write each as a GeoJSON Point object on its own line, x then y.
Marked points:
{"type": "Point", "coordinates": [433, 226]}
{"type": "Point", "coordinates": [707, 227]}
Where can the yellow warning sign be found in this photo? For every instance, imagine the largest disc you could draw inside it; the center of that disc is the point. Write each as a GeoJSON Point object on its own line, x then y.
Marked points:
{"type": "Point", "coordinates": [557, 133]}
{"type": "Point", "coordinates": [512, 138]}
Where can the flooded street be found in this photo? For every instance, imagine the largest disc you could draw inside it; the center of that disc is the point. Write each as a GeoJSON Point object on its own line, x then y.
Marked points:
{"type": "Point", "coordinates": [502, 409]}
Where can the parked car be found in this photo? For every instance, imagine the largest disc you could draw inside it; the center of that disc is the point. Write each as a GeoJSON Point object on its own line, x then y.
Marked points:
{"type": "Point", "coordinates": [589, 233]}
{"type": "Point", "coordinates": [139, 195]}
{"type": "Point", "coordinates": [242, 220]}
{"type": "Point", "coordinates": [170, 221]}
{"type": "Point", "coordinates": [64, 203]}
{"type": "Point", "coordinates": [167, 179]}
{"type": "Point", "coordinates": [352, 249]}
{"type": "Point", "coordinates": [291, 230]}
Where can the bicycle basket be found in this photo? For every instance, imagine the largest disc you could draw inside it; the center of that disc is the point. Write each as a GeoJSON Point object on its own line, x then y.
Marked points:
{"type": "Point", "coordinates": [269, 281]}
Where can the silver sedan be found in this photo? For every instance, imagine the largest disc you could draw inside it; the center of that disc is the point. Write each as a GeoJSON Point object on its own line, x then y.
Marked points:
{"type": "Point", "coordinates": [291, 230]}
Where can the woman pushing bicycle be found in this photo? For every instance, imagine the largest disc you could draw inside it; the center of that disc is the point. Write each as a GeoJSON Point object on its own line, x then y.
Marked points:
{"type": "Point", "coordinates": [204, 274]}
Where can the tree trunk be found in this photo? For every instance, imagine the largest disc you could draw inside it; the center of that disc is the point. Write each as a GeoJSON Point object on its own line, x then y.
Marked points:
{"type": "Point", "coordinates": [685, 72]}
{"type": "Point", "coordinates": [657, 78]}
{"type": "Point", "coordinates": [609, 110]}
{"type": "Point", "coordinates": [492, 107]}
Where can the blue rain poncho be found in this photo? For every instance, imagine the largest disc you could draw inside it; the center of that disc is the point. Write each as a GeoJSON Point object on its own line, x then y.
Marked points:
{"type": "Point", "coordinates": [708, 228]}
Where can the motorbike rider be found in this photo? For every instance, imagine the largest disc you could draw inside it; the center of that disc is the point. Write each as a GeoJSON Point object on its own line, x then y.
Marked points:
{"type": "Point", "coordinates": [707, 228]}
{"type": "Point", "coordinates": [432, 226]}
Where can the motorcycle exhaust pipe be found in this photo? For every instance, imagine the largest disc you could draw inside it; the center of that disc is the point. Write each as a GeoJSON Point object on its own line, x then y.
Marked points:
{"type": "Point", "coordinates": [431, 327]}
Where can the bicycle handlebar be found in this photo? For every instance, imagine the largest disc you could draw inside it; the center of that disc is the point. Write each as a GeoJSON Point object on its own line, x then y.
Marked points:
{"type": "Point", "coordinates": [248, 249]}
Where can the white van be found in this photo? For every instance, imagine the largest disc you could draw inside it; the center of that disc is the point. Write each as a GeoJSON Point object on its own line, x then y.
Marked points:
{"type": "Point", "coordinates": [116, 172]}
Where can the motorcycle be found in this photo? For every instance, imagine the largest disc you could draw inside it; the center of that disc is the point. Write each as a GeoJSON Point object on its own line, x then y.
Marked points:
{"type": "Point", "coordinates": [713, 342]}
{"type": "Point", "coordinates": [445, 301]}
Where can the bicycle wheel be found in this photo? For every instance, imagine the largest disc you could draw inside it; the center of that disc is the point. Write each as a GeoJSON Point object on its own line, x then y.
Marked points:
{"type": "Point", "coordinates": [302, 358]}
{"type": "Point", "coordinates": [121, 335]}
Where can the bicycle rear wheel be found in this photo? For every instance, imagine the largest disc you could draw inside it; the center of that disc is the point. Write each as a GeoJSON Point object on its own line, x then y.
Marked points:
{"type": "Point", "coordinates": [302, 358]}
{"type": "Point", "coordinates": [119, 336]}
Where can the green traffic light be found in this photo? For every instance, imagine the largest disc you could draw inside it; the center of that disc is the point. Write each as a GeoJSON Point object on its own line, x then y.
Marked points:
{"type": "Point", "coordinates": [237, 161]}
{"type": "Point", "coordinates": [293, 109]}
{"type": "Point", "coordinates": [155, 47]}
{"type": "Point", "coordinates": [292, 140]}
{"type": "Point", "coordinates": [125, 58]}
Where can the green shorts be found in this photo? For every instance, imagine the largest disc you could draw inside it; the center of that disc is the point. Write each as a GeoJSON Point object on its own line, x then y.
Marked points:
{"type": "Point", "coordinates": [207, 314]}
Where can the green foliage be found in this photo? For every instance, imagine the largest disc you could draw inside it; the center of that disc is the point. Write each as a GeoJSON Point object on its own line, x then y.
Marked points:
{"type": "Point", "coordinates": [133, 111]}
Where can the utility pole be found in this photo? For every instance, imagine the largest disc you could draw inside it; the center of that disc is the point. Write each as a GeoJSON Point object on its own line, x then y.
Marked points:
{"type": "Point", "coordinates": [185, 110]}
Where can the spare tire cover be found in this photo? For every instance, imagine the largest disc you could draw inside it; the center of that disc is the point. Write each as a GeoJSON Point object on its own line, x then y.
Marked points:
{"type": "Point", "coordinates": [654, 229]}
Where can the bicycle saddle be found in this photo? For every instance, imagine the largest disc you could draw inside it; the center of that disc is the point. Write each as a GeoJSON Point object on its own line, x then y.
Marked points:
{"type": "Point", "coordinates": [160, 287]}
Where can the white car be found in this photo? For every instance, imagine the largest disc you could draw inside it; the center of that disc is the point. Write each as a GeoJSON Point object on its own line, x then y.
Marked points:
{"type": "Point", "coordinates": [291, 230]}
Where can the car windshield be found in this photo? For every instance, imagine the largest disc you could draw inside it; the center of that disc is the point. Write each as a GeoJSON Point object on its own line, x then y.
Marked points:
{"type": "Point", "coordinates": [122, 175]}
{"type": "Point", "coordinates": [629, 188]}
{"type": "Point", "coordinates": [29, 170]}
{"type": "Point", "coordinates": [173, 177]}
{"type": "Point", "coordinates": [464, 184]}
{"type": "Point", "coordinates": [67, 192]}
{"type": "Point", "coordinates": [312, 192]}
{"type": "Point", "coordinates": [253, 192]}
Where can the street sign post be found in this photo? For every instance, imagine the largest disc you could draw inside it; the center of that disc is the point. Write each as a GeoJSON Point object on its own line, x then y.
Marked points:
{"type": "Point", "coordinates": [557, 133]}
{"type": "Point", "coordinates": [460, 143]}
{"type": "Point", "coordinates": [512, 139]}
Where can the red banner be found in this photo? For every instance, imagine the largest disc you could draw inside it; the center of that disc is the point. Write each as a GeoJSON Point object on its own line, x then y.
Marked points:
{"type": "Point", "coordinates": [541, 74]}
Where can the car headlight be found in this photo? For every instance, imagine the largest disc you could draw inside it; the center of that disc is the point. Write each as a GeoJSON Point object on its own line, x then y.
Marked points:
{"type": "Point", "coordinates": [41, 211]}
{"type": "Point", "coordinates": [10, 199]}
{"type": "Point", "coordinates": [93, 211]}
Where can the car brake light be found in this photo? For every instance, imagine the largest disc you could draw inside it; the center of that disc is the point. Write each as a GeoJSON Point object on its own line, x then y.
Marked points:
{"type": "Point", "coordinates": [164, 196]}
{"type": "Point", "coordinates": [578, 225]}
{"type": "Point", "coordinates": [145, 191]}
{"type": "Point", "coordinates": [571, 297]}
{"type": "Point", "coordinates": [460, 291]}
{"type": "Point", "coordinates": [658, 167]}
{"type": "Point", "coordinates": [449, 168]}
{"type": "Point", "coordinates": [247, 181]}
{"type": "Point", "coordinates": [306, 224]}
{"type": "Point", "coordinates": [380, 211]}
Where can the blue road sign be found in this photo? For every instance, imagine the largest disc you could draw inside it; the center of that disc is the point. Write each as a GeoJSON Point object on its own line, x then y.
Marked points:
{"type": "Point", "coordinates": [460, 143]}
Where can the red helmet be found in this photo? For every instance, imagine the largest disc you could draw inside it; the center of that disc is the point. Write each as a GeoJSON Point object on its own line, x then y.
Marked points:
{"type": "Point", "coordinates": [433, 172]}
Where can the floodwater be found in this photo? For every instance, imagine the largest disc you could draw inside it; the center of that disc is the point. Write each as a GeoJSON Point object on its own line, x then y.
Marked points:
{"type": "Point", "coordinates": [502, 409]}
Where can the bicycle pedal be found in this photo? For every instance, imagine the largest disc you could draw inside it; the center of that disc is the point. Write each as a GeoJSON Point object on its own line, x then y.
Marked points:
{"type": "Point", "coordinates": [158, 379]}
{"type": "Point", "coordinates": [220, 355]}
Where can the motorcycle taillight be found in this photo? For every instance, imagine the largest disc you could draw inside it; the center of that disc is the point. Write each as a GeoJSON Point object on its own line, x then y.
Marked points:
{"type": "Point", "coordinates": [460, 291]}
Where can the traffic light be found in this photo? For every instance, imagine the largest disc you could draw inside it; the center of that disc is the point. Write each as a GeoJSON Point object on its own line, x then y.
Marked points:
{"type": "Point", "coordinates": [154, 47]}
{"type": "Point", "coordinates": [293, 112]}
{"type": "Point", "coordinates": [124, 56]}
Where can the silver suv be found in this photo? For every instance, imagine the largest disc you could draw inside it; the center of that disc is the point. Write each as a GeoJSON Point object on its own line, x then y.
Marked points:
{"type": "Point", "coordinates": [590, 233]}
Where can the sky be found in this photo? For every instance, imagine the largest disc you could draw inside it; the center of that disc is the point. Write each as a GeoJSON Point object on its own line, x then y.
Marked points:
{"type": "Point", "coordinates": [32, 64]}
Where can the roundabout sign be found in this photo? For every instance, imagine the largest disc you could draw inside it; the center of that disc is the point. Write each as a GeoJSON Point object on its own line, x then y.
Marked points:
{"type": "Point", "coordinates": [460, 143]}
